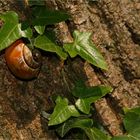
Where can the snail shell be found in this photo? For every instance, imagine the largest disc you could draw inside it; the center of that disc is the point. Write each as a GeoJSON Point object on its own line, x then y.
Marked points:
{"type": "Point", "coordinates": [23, 63]}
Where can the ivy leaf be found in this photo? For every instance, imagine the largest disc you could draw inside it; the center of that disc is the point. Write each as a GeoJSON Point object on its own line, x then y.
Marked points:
{"type": "Point", "coordinates": [83, 104]}
{"type": "Point", "coordinates": [84, 47]}
{"type": "Point", "coordinates": [73, 123]}
{"type": "Point", "coordinates": [82, 91]}
{"type": "Point", "coordinates": [40, 29]}
{"type": "Point", "coordinates": [86, 125]}
{"type": "Point", "coordinates": [45, 43]}
{"type": "Point", "coordinates": [96, 134]}
{"type": "Point", "coordinates": [62, 112]}
{"type": "Point", "coordinates": [131, 122]}
{"type": "Point", "coordinates": [88, 95]}
{"type": "Point", "coordinates": [44, 16]}
{"type": "Point", "coordinates": [11, 30]}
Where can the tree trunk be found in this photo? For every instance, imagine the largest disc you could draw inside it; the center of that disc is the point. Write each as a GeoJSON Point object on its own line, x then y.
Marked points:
{"type": "Point", "coordinates": [116, 32]}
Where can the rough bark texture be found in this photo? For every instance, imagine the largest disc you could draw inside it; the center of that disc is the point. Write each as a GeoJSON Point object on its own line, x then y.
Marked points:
{"type": "Point", "coordinates": [116, 32]}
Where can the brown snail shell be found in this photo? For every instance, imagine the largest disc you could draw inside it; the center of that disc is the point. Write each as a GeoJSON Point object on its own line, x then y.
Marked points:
{"type": "Point", "coordinates": [23, 63]}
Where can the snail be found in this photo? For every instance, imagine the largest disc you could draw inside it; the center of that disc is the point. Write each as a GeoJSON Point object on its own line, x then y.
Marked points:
{"type": "Point", "coordinates": [23, 63]}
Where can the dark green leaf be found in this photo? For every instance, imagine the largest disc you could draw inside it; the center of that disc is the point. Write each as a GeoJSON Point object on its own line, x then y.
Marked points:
{"type": "Point", "coordinates": [89, 95]}
{"type": "Point", "coordinates": [84, 124]}
{"type": "Point", "coordinates": [11, 30]}
{"type": "Point", "coordinates": [40, 29]}
{"type": "Point", "coordinates": [96, 134]}
{"type": "Point", "coordinates": [73, 123]}
{"type": "Point", "coordinates": [84, 47]}
{"type": "Point", "coordinates": [83, 91]}
{"type": "Point", "coordinates": [44, 16]}
{"type": "Point", "coordinates": [62, 112]}
{"type": "Point", "coordinates": [132, 123]}
{"type": "Point", "coordinates": [84, 104]}
{"type": "Point", "coordinates": [44, 43]}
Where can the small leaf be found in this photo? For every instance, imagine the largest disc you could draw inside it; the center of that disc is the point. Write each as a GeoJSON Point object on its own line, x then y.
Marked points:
{"type": "Point", "coordinates": [44, 16]}
{"type": "Point", "coordinates": [27, 32]}
{"type": "Point", "coordinates": [131, 123]}
{"type": "Point", "coordinates": [40, 29]}
{"type": "Point", "coordinates": [73, 123]}
{"type": "Point", "coordinates": [84, 104]}
{"type": "Point", "coordinates": [44, 43]}
{"type": "Point", "coordinates": [88, 95]}
{"type": "Point", "coordinates": [11, 30]}
{"type": "Point", "coordinates": [83, 91]}
{"type": "Point", "coordinates": [85, 125]}
{"type": "Point", "coordinates": [84, 47]}
{"type": "Point", "coordinates": [62, 112]}
{"type": "Point", "coordinates": [95, 134]}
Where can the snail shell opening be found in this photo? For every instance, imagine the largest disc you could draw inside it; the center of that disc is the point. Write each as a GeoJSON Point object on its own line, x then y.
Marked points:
{"type": "Point", "coordinates": [32, 57]}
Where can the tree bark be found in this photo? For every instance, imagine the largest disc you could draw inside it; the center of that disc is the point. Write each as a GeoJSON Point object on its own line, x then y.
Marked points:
{"type": "Point", "coordinates": [116, 33]}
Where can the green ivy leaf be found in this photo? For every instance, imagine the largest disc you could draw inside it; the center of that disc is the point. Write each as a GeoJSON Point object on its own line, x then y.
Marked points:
{"type": "Point", "coordinates": [88, 95]}
{"type": "Point", "coordinates": [84, 47]}
{"type": "Point", "coordinates": [62, 112]}
{"type": "Point", "coordinates": [82, 91]}
{"type": "Point", "coordinates": [44, 16]}
{"type": "Point", "coordinates": [11, 30]}
{"type": "Point", "coordinates": [84, 104]}
{"type": "Point", "coordinates": [45, 43]}
{"type": "Point", "coordinates": [86, 125]}
{"type": "Point", "coordinates": [132, 123]}
{"type": "Point", "coordinates": [40, 29]}
{"type": "Point", "coordinates": [95, 134]}
{"type": "Point", "coordinates": [73, 123]}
